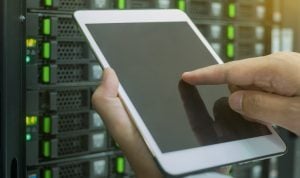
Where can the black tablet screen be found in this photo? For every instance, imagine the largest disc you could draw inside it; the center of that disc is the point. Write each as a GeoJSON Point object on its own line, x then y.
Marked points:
{"type": "Point", "coordinates": [149, 59]}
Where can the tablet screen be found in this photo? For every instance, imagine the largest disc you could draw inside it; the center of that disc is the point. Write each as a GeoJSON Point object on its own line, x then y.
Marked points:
{"type": "Point", "coordinates": [149, 59]}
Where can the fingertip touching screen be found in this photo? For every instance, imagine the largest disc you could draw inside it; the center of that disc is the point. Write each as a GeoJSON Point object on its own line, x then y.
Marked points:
{"type": "Point", "coordinates": [149, 59]}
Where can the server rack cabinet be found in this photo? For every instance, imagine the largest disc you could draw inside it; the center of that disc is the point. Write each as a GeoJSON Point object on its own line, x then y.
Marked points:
{"type": "Point", "coordinates": [65, 137]}
{"type": "Point", "coordinates": [61, 74]}
{"type": "Point", "coordinates": [12, 89]}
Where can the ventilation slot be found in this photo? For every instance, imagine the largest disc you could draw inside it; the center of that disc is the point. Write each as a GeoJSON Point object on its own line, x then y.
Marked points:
{"type": "Point", "coordinates": [73, 171]}
{"type": "Point", "coordinates": [68, 28]}
{"type": "Point", "coordinates": [71, 73]}
{"type": "Point", "coordinates": [72, 4]}
{"type": "Point", "coordinates": [198, 8]}
{"type": "Point", "coordinates": [72, 100]}
{"type": "Point", "coordinates": [72, 145]}
{"type": "Point", "coordinates": [73, 122]}
{"type": "Point", "coordinates": [71, 50]}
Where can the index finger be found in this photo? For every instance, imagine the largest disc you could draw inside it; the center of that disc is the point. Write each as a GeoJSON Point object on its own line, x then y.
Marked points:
{"type": "Point", "coordinates": [242, 72]}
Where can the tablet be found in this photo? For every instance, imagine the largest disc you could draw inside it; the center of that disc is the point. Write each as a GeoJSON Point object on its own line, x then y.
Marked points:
{"type": "Point", "coordinates": [186, 128]}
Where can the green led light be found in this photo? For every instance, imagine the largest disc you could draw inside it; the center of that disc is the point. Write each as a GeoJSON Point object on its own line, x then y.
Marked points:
{"type": "Point", "coordinates": [47, 26]}
{"type": "Point", "coordinates": [33, 120]}
{"type": "Point", "coordinates": [28, 137]}
{"type": "Point", "coordinates": [230, 32]}
{"type": "Point", "coordinates": [47, 173]}
{"type": "Point", "coordinates": [120, 165]}
{"type": "Point", "coordinates": [181, 5]}
{"type": "Point", "coordinates": [46, 74]}
{"type": "Point", "coordinates": [121, 4]}
{"type": "Point", "coordinates": [231, 10]}
{"type": "Point", "coordinates": [48, 3]}
{"type": "Point", "coordinates": [28, 59]}
{"type": "Point", "coordinates": [47, 125]}
{"type": "Point", "coordinates": [46, 148]}
{"type": "Point", "coordinates": [230, 50]}
{"type": "Point", "coordinates": [46, 50]}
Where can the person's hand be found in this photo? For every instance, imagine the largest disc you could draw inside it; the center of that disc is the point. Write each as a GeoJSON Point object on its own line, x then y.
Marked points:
{"type": "Point", "coordinates": [106, 102]}
{"type": "Point", "coordinates": [266, 88]}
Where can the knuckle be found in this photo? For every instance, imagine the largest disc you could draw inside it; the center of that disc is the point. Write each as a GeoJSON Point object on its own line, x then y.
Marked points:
{"type": "Point", "coordinates": [97, 98]}
{"type": "Point", "coordinates": [280, 55]}
{"type": "Point", "coordinates": [280, 59]}
{"type": "Point", "coordinates": [284, 56]}
{"type": "Point", "coordinates": [282, 68]}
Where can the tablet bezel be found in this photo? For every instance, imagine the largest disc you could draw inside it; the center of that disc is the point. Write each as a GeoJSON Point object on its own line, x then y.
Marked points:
{"type": "Point", "coordinates": [188, 160]}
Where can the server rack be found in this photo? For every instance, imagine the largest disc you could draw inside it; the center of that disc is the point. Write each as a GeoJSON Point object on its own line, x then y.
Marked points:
{"type": "Point", "coordinates": [62, 74]}
{"type": "Point", "coordinates": [61, 133]}
{"type": "Point", "coordinates": [65, 137]}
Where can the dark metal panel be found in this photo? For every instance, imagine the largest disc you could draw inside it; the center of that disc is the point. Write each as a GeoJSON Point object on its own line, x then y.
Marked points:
{"type": "Point", "coordinates": [12, 89]}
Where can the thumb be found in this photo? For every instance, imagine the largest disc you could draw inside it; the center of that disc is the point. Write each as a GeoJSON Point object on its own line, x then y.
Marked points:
{"type": "Point", "coordinates": [267, 107]}
{"type": "Point", "coordinates": [109, 84]}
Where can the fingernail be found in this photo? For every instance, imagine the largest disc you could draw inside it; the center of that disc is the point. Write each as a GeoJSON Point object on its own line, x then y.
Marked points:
{"type": "Point", "coordinates": [235, 101]}
{"type": "Point", "coordinates": [183, 76]}
{"type": "Point", "coordinates": [186, 73]}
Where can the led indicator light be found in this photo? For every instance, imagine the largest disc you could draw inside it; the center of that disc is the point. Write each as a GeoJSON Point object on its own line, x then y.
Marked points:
{"type": "Point", "coordinates": [47, 26]}
{"type": "Point", "coordinates": [181, 5]}
{"type": "Point", "coordinates": [46, 148]}
{"type": "Point", "coordinates": [28, 59]}
{"type": "Point", "coordinates": [121, 4]}
{"type": "Point", "coordinates": [231, 10]}
{"type": "Point", "coordinates": [28, 137]}
{"type": "Point", "coordinates": [27, 120]}
{"type": "Point", "coordinates": [47, 124]}
{"type": "Point", "coordinates": [120, 165]}
{"type": "Point", "coordinates": [32, 176]}
{"type": "Point", "coordinates": [47, 173]}
{"type": "Point", "coordinates": [230, 50]}
{"type": "Point", "coordinates": [46, 74]}
{"type": "Point", "coordinates": [230, 32]}
{"type": "Point", "coordinates": [48, 3]}
{"type": "Point", "coordinates": [31, 120]}
{"type": "Point", "coordinates": [31, 43]}
{"type": "Point", "coordinates": [46, 50]}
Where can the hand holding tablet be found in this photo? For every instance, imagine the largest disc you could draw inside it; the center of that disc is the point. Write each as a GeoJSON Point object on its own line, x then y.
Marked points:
{"type": "Point", "coordinates": [150, 49]}
{"type": "Point", "coordinates": [108, 104]}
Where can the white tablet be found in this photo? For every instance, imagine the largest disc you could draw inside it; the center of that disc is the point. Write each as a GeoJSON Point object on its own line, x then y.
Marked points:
{"type": "Point", "coordinates": [187, 128]}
